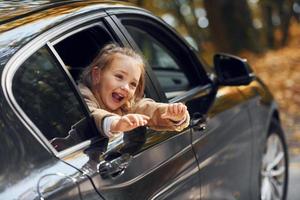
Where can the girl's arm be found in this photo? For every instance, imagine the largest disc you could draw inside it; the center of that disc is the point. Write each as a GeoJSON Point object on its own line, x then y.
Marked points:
{"type": "Point", "coordinates": [163, 116]}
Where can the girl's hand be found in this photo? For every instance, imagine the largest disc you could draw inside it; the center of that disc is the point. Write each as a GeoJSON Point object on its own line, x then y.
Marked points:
{"type": "Point", "coordinates": [175, 112]}
{"type": "Point", "coordinates": [128, 122]}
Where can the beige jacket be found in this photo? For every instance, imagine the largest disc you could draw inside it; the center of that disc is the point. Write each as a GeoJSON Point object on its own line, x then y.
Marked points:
{"type": "Point", "coordinates": [145, 106]}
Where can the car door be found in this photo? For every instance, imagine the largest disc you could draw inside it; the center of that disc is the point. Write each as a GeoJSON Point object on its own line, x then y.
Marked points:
{"type": "Point", "coordinates": [223, 149]}
{"type": "Point", "coordinates": [47, 113]}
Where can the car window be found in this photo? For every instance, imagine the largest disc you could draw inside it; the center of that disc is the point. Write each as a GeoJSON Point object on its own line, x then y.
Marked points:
{"type": "Point", "coordinates": [168, 71]}
{"type": "Point", "coordinates": [155, 53]}
{"type": "Point", "coordinates": [46, 97]}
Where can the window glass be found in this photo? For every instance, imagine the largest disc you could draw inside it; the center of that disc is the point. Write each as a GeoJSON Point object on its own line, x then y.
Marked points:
{"type": "Point", "coordinates": [45, 95]}
{"type": "Point", "coordinates": [155, 53]}
{"type": "Point", "coordinates": [166, 68]}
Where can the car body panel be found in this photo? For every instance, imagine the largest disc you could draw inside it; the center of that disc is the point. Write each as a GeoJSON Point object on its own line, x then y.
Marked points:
{"type": "Point", "coordinates": [13, 11]}
{"type": "Point", "coordinates": [163, 169]}
{"type": "Point", "coordinates": [262, 109]}
{"type": "Point", "coordinates": [224, 148]}
{"type": "Point", "coordinates": [28, 171]}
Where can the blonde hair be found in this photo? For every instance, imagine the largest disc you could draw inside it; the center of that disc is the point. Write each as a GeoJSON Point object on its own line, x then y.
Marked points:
{"type": "Point", "coordinates": [103, 60]}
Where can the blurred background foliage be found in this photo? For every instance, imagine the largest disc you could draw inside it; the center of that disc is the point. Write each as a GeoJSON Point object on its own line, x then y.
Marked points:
{"type": "Point", "coordinates": [232, 26]}
{"type": "Point", "coordinates": [266, 32]}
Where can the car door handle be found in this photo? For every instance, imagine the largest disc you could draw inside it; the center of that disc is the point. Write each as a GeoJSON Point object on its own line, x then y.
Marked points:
{"type": "Point", "coordinates": [114, 168]}
{"type": "Point", "coordinates": [198, 122]}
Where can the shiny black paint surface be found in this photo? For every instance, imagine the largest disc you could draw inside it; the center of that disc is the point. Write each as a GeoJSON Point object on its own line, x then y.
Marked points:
{"type": "Point", "coordinates": [224, 148]}
{"type": "Point", "coordinates": [18, 154]}
{"type": "Point", "coordinates": [152, 171]}
{"type": "Point", "coordinates": [28, 170]}
{"type": "Point", "coordinates": [262, 109]}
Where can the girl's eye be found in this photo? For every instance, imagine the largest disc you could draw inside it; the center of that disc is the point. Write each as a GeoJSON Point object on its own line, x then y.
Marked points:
{"type": "Point", "coordinates": [119, 76]}
{"type": "Point", "coordinates": [134, 84]}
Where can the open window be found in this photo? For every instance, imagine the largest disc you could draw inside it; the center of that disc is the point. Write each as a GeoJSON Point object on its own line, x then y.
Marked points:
{"type": "Point", "coordinates": [78, 50]}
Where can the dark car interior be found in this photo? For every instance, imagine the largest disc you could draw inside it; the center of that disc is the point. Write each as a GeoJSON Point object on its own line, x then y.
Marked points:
{"type": "Point", "coordinates": [78, 50]}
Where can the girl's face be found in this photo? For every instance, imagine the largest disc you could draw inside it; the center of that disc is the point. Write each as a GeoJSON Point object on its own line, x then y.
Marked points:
{"type": "Point", "coordinates": [119, 80]}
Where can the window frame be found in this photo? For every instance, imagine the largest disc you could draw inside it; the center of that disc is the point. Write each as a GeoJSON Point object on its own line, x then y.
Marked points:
{"type": "Point", "coordinates": [119, 38]}
{"type": "Point", "coordinates": [46, 39]}
{"type": "Point", "coordinates": [85, 119]}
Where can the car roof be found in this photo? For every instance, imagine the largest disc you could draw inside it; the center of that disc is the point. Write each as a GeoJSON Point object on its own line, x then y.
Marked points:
{"type": "Point", "coordinates": [21, 23]}
{"type": "Point", "coordinates": [12, 10]}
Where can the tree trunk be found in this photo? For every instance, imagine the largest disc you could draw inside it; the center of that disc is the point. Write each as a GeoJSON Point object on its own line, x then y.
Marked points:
{"type": "Point", "coordinates": [231, 25]}
{"type": "Point", "coordinates": [267, 11]}
{"type": "Point", "coordinates": [192, 25]}
{"type": "Point", "coordinates": [285, 12]}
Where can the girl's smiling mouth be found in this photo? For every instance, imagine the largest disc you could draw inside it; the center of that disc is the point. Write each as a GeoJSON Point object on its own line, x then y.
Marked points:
{"type": "Point", "coordinates": [117, 97]}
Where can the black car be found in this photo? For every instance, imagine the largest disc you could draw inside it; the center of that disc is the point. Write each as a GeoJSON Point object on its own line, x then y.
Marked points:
{"type": "Point", "coordinates": [234, 147]}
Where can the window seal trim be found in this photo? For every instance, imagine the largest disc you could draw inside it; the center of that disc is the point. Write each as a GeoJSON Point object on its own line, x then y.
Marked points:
{"type": "Point", "coordinates": [200, 91]}
{"type": "Point", "coordinates": [14, 64]}
{"type": "Point", "coordinates": [73, 149]}
{"type": "Point", "coordinates": [68, 78]}
{"type": "Point", "coordinates": [71, 32]}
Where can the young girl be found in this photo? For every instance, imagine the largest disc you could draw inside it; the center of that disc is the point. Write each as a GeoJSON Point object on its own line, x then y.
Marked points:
{"type": "Point", "coordinates": [113, 88]}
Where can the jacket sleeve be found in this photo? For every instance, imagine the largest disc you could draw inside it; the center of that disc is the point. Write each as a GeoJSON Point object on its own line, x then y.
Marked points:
{"type": "Point", "coordinates": [97, 113]}
{"type": "Point", "coordinates": [154, 110]}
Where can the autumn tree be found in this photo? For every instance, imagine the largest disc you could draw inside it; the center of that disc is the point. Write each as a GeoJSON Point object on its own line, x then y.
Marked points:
{"type": "Point", "coordinates": [231, 25]}
{"type": "Point", "coordinates": [276, 15]}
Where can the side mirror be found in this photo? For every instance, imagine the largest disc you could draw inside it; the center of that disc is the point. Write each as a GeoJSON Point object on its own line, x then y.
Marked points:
{"type": "Point", "coordinates": [232, 70]}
